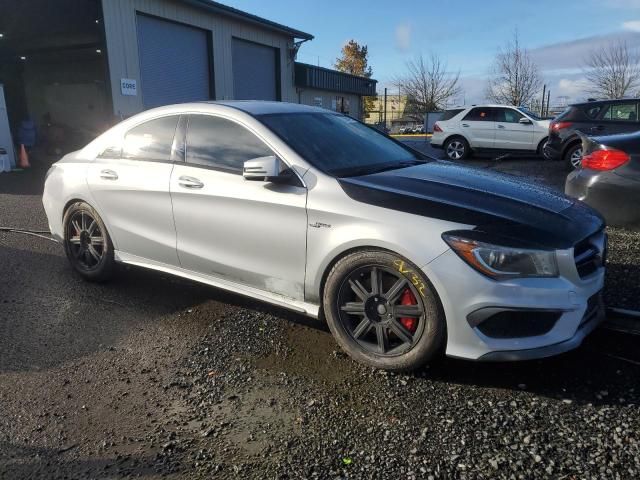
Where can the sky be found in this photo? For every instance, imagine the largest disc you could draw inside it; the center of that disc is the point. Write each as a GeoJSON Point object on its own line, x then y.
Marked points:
{"type": "Point", "coordinates": [466, 34]}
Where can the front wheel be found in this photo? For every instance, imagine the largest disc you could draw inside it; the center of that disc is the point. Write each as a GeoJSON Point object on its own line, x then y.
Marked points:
{"type": "Point", "coordinates": [383, 312]}
{"type": "Point", "coordinates": [87, 243]}
{"type": "Point", "coordinates": [456, 148]}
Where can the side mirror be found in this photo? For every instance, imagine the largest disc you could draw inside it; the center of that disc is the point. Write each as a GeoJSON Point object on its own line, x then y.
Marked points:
{"type": "Point", "coordinates": [525, 121]}
{"type": "Point", "coordinates": [261, 169]}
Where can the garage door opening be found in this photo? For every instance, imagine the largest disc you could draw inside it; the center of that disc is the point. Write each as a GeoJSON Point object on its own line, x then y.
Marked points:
{"type": "Point", "coordinates": [54, 71]}
{"type": "Point", "coordinates": [256, 71]}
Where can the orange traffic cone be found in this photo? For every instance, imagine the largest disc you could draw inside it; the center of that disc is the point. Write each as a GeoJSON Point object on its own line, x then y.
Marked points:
{"type": "Point", "coordinates": [24, 158]}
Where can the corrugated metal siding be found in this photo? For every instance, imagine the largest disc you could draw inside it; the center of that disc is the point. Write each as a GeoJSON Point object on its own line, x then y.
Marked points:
{"type": "Point", "coordinates": [309, 96]}
{"type": "Point", "coordinates": [120, 28]}
{"type": "Point", "coordinates": [325, 79]}
{"type": "Point", "coordinates": [174, 62]}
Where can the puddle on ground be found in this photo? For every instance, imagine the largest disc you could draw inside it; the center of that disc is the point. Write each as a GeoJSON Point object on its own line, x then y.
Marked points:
{"type": "Point", "coordinates": [312, 354]}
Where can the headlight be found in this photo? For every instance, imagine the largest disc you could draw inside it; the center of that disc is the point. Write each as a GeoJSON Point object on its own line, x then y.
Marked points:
{"type": "Point", "coordinates": [499, 262]}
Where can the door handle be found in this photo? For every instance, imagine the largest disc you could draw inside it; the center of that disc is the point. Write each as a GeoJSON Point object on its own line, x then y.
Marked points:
{"type": "Point", "coordinates": [597, 127]}
{"type": "Point", "coordinates": [465, 124]}
{"type": "Point", "coordinates": [500, 126]}
{"type": "Point", "coordinates": [108, 175]}
{"type": "Point", "coordinates": [190, 182]}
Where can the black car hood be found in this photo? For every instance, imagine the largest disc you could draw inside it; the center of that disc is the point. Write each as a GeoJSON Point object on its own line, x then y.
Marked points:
{"type": "Point", "coordinates": [496, 204]}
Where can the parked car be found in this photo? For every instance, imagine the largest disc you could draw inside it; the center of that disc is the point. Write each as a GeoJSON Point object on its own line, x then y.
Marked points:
{"type": "Point", "coordinates": [605, 117]}
{"type": "Point", "coordinates": [609, 179]}
{"type": "Point", "coordinates": [405, 256]}
{"type": "Point", "coordinates": [498, 128]}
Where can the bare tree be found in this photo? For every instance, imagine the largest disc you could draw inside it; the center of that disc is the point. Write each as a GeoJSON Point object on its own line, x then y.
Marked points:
{"type": "Point", "coordinates": [515, 79]}
{"type": "Point", "coordinates": [428, 84]}
{"type": "Point", "coordinates": [612, 72]}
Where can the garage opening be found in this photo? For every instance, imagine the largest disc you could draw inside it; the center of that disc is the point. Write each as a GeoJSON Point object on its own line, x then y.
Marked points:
{"type": "Point", "coordinates": [175, 64]}
{"type": "Point", "coordinates": [54, 71]}
{"type": "Point", "coordinates": [256, 71]}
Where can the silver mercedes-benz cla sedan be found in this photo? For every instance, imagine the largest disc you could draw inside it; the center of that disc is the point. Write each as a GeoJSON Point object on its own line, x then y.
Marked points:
{"type": "Point", "coordinates": [405, 256]}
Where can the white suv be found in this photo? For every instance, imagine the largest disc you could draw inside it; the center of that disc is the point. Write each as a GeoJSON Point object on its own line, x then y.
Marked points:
{"type": "Point", "coordinates": [464, 130]}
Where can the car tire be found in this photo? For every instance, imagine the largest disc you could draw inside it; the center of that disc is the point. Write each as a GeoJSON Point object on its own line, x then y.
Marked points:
{"type": "Point", "coordinates": [87, 243]}
{"type": "Point", "coordinates": [456, 148]}
{"type": "Point", "coordinates": [368, 322]}
{"type": "Point", "coordinates": [540, 151]}
{"type": "Point", "coordinates": [573, 156]}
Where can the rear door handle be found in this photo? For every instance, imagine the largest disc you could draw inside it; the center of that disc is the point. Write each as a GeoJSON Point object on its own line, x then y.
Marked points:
{"type": "Point", "coordinates": [108, 175]}
{"type": "Point", "coordinates": [465, 124]}
{"type": "Point", "coordinates": [500, 126]}
{"type": "Point", "coordinates": [597, 127]}
{"type": "Point", "coordinates": [190, 182]}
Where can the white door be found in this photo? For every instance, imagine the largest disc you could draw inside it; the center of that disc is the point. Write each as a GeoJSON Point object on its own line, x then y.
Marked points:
{"type": "Point", "coordinates": [250, 232]}
{"type": "Point", "coordinates": [478, 127]}
{"type": "Point", "coordinates": [130, 183]}
{"type": "Point", "coordinates": [510, 134]}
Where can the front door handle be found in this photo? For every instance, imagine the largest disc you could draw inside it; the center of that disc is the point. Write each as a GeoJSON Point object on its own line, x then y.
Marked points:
{"type": "Point", "coordinates": [465, 124]}
{"type": "Point", "coordinates": [108, 175]}
{"type": "Point", "coordinates": [190, 182]}
{"type": "Point", "coordinates": [597, 128]}
{"type": "Point", "coordinates": [500, 126]}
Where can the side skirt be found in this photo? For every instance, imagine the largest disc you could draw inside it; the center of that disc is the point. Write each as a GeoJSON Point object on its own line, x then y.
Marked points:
{"type": "Point", "coordinates": [262, 295]}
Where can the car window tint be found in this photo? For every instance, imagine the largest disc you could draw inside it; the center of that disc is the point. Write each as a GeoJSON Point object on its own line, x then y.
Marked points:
{"type": "Point", "coordinates": [507, 115]}
{"type": "Point", "coordinates": [151, 140]}
{"type": "Point", "coordinates": [592, 112]}
{"type": "Point", "coordinates": [621, 112]}
{"type": "Point", "coordinates": [449, 114]}
{"type": "Point", "coordinates": [220, 143]}
{"type": "Point", "coordinates": [479, 115]}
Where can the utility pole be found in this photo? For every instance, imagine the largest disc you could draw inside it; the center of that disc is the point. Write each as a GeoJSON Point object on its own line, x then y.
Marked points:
{"type": "Point", "coordinates": [548, 99]}
{"type": "Point", "coordinates": [385, 106]}
{"type": "Point", "coordinates": [544, 90]}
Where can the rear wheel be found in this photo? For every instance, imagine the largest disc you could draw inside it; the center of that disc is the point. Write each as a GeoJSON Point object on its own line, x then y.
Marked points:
{"type": "Point", "coordinates": [383, 312]}
{"type": "Point", "coordinates": [87, 243]}
{"type": "Point", "coordinates": [573, 157]}
{"type": "Point", "coordinates": [456, 148]}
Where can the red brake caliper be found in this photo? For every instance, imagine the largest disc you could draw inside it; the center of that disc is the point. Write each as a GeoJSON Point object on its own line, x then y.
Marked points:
{"type": "Point", "coordinates": [408, 322]}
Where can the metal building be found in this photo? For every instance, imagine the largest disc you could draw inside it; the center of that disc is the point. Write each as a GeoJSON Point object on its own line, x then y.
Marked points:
{"type": "Point", "coordinates": [76, 67]}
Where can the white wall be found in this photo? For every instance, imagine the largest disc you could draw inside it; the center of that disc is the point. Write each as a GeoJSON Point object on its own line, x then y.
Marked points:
{"type": "Point", "coordinates": [328, 100]}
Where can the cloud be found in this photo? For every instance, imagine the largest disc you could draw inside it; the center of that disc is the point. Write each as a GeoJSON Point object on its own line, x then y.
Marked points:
{"type": "Point", "coordinates": [571, 87]}
{"type": "Point", "coordinates": [633, 25]}
{"type": "Point", "coordinates": [403, 37]}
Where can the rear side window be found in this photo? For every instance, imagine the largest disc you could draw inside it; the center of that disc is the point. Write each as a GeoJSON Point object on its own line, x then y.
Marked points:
{"type": "Point", "coordinates": [151, 140]}
{"type": "Point", "coordinates": [621, 112]}
{"type": "Point", "coordinates": [479, 114]}
{"type": "Point", "coordinates": [507, 115]}
{"type": "Point", "coordinates": [592, 112]}
{"type": "Point", "coordinates": [222, 144]}
{"type": "Point", "coordinates": [449, 114]}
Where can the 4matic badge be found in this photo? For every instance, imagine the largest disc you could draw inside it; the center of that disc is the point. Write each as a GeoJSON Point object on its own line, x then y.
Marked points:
{"type": "Point", "coordinates": [320, 225]}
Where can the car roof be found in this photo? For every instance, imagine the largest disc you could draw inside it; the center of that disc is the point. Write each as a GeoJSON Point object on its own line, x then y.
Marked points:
{"type": "Point", "coordinates": [481, 105]}
{"type": "Point", "coordinates": [263, 107]}
{"type": "Point", "coordinates": [604, 102]}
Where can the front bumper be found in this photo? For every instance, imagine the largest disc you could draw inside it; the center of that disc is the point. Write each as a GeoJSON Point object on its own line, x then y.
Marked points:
{"type": "Point", "coordinates": [465, 292]}
{"type": "Point", "coordinates": [551, 152]}
{"type": "Point", "coordinates": [614, 196]}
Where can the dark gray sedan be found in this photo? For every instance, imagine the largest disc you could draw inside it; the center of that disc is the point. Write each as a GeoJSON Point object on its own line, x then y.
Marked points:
{"type": "Point", "coordinates": [609, 179]}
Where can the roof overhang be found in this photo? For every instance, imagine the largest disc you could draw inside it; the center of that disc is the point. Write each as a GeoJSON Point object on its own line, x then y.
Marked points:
{"type": "Point", "coordinates": [215, 7]}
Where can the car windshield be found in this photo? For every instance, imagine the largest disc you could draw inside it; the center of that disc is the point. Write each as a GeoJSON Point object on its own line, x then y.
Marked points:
{"type": "Point", "coordinates": [529, 113]}
{"type": "Point", "coordinates": [339, 145]}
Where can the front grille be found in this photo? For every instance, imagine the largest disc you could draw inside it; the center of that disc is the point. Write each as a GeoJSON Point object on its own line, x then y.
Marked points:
{"type": "Point", "coordinates": [519, 323]}
{"type": "Point", "coordinates": [588, 256]}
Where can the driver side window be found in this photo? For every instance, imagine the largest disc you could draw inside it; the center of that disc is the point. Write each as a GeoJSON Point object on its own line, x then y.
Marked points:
{"type": "Point", "coordinates": [221, 144]}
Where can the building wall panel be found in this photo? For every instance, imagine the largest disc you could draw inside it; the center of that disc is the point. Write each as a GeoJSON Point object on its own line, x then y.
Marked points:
{"type": "Point", "coordinates": [122, 48]}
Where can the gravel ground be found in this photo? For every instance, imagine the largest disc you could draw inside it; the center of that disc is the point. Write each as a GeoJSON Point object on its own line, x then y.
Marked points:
{"type": "Point", "coordinates": [155, 377]}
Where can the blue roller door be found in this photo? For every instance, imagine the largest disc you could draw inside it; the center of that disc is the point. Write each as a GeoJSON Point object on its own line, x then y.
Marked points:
{"type": "Point", "coordinates": [174, 62]}
{"type": "Point", "coordinates": [255, 71]}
